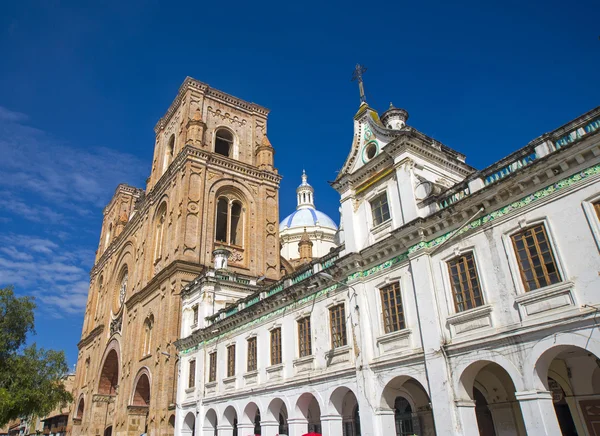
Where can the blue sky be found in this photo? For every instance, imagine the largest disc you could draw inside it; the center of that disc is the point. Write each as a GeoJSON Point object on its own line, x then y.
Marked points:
{"type": "Point", "coordinates": [82, 85]}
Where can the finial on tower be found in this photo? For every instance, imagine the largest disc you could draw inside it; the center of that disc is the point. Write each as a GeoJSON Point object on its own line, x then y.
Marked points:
{"type": "Point", "coordinates": [359, 70]}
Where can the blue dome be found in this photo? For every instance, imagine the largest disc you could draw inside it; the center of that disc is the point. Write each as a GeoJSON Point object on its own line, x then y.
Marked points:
{"type": "Point", "coordinates": [306, 217]}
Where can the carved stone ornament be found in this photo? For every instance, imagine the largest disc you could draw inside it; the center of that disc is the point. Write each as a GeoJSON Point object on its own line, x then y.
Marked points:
{"type": "Point", "coordinates": [270, 228]}
{"type": "Point", "coordinates": [116, 324]}
{"type": "Point", "coordinates": [193, 207]}
{"type": "Point", "coordinates": [236, 256]}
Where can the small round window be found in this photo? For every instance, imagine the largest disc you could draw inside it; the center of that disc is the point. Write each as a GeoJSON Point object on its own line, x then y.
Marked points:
{"type": "Point", "coordinates": [371, 151]}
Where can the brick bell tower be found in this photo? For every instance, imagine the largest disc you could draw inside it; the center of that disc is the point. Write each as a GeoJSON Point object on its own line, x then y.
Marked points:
{"type": "Point", "coordinates": [212, 184]}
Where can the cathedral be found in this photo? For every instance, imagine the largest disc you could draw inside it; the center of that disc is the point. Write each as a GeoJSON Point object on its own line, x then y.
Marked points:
{"type": "Point", "coordinates": [448, 300]}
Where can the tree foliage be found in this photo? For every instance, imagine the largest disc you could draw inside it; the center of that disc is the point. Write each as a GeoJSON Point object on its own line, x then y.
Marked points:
{"type": "Point", "coordinates": [30, 377]}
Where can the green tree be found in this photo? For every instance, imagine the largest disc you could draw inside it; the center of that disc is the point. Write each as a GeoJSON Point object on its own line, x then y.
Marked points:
{"type": "Point", "coordinates": [30, 377]}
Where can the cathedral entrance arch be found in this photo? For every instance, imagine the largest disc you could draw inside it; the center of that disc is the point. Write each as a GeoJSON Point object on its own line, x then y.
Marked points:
{"type": "Point", "coordinates": [108, 431]}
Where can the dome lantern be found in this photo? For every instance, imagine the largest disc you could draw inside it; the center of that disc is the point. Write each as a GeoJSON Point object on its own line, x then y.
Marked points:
{"type": "Point", "coordinates": [305, 193]}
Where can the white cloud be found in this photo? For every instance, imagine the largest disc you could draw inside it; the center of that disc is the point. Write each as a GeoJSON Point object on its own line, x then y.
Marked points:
{"type": "Point", "coordinates": [58, 187]}
{"type": "Point", "coordinates": [67, 176]}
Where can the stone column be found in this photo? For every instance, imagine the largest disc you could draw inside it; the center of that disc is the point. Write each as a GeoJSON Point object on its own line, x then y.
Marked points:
{"type": "Point", "coordinates": [297, 426]}
{"type": "Point", "coordinates": [384, 419]}
{"type": "Point", "coordinates": [504, 419]}
{"type": "Point", "coordinates": [225, 430]}
{"type": "Point", "coordinates": [269, 428]}
{"type": "Point", "coordinates": [434, 362]}
{"type": "Point", "coordinates": [467, 416]}
{"type": "Point", "coordinates": [538, 412]}
{"type": "Point", "coordinates": [246, 429]}
{"type": "Point", "coordinates": [331, 425]}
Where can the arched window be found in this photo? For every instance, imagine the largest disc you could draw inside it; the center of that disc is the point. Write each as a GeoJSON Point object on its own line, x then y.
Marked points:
{"type": "Point", "coordinates": [230, 222]}
{"type": "Point", "coordinates": [224, 142]}
{"type": "Point", "coordinates": [235, 231]}
{"type": "Point", "coordinates": [148, 326]}
{"type": "Point", "coordinates": [108, 236]}
{"type": "Point", "coordinates": [86, 371]}
{"type": "Point", "coordinates": [141, 393]}
{"type": "Point", "coordinates": [80, 409]}
{"type": "Point", "coordinates": [169, 150]}
{"type": "Point", "coordinates": [98, 296]}
{"type": "Point", "coordinates": [122, 286]}
{"type": "Point", "coordinates": [159, 239]}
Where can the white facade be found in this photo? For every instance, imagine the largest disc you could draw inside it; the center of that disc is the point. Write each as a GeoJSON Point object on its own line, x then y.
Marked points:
{"type": "Point", "coordinates": [320, 228]}
{"type": "Point", "coordinates": [494, 348]}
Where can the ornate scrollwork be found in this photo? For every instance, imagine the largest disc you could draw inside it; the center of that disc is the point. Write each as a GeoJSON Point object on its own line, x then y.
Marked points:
{"type": "Point", "coordinates": [116, 324]}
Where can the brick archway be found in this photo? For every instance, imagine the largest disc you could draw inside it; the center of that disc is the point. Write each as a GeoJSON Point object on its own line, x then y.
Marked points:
{"type": "Point", "coordinates": [109, 376]}
{"type": "Point", "coordinates": [141, 391]}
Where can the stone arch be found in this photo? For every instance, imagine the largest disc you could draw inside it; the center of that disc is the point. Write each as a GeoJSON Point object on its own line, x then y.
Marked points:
{"type": "Point", "coordinates": [147, 339]}
{"type": "Point", "coordinates": [231, 216]}
{"type": "Point", "coordinates": [225, 141]}
{"type": "Point", "coordinates": [140, 395]}
{"type": "Point", "coordinates": [122, 266]}
{"type": "Point", "coordinates": [160, 229]}
{"type": "Point", "coordinates": [492, 384]}
{"type": "Point", "coordinates": [110, 369]}
{"type": "Point", "coordinates": [309, 407]}
{"type": "Point", "coordinates": [407, 398]}
{"type": "Point", "coordinates": [230, 416]}
{"type": "Point", "coordinates": [278, 411]}
{"type": "Point", "coordinates": [250, 412]}
{"type": "Point", "coordinates": [189, 424]}
{"type": "Point", "coordinates": [169, 152]}
{"type": "Point", "coordinates": [468, 372]}
{"type": "Point", "coordinates": [545, 351]}
{"type": "Point", "coordinates": [343, 402]}
{"type": "Point", "coordinates": [211, 421]}
{"type": "Point", "coordinates": [414, 391]}
{"type": "Point", "coordinates": [335, 405]}
{"type": "Point", "coordinates": [80, 407]}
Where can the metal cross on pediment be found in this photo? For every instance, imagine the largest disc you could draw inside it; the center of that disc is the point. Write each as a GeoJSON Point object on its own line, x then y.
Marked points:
{"type": "Point", "coordinates": [359, 70]}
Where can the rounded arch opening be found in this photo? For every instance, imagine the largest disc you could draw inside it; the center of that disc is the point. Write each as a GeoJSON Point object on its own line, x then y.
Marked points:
{"type": "Point", "coordinates": [343, 401]}
{"type": "Point", "coordinates": [224, 142]}
{"type": "Point", "coordinates": [189, 425]}
{"type": "Point", "coordinates": [308, 407]}
{"type": "Point", "coordinates": [109, 376]}
{"type": "Point", "coordinates": [80, 408]}
{"type": "Point", "coordinates": [493, 389]}
{"type": "Point", "coordinates": [121, 289]}
{"type": "Point", "coordinates": [141, 392]}
{"type": "Point", "coordinates": [572, 374]}
{"type": "Point", "coordinates": [169, 152]}
{"type": "Point", "coordinates": [210, 421]}
{"type": "Point", "coordinates": [160, 231]}
{"type": "Point", "coordinates": [230, 418]}
{"type": "Point", "coordinates": [230, 218]}
{"type": "Point", "coordinates": [405, 395]}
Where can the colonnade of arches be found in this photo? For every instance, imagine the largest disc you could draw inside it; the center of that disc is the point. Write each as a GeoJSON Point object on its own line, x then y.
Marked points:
{"type": "Point", "coordinates": [335, 413]}
{"type": "Point", "coordinates": [556, 390]}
